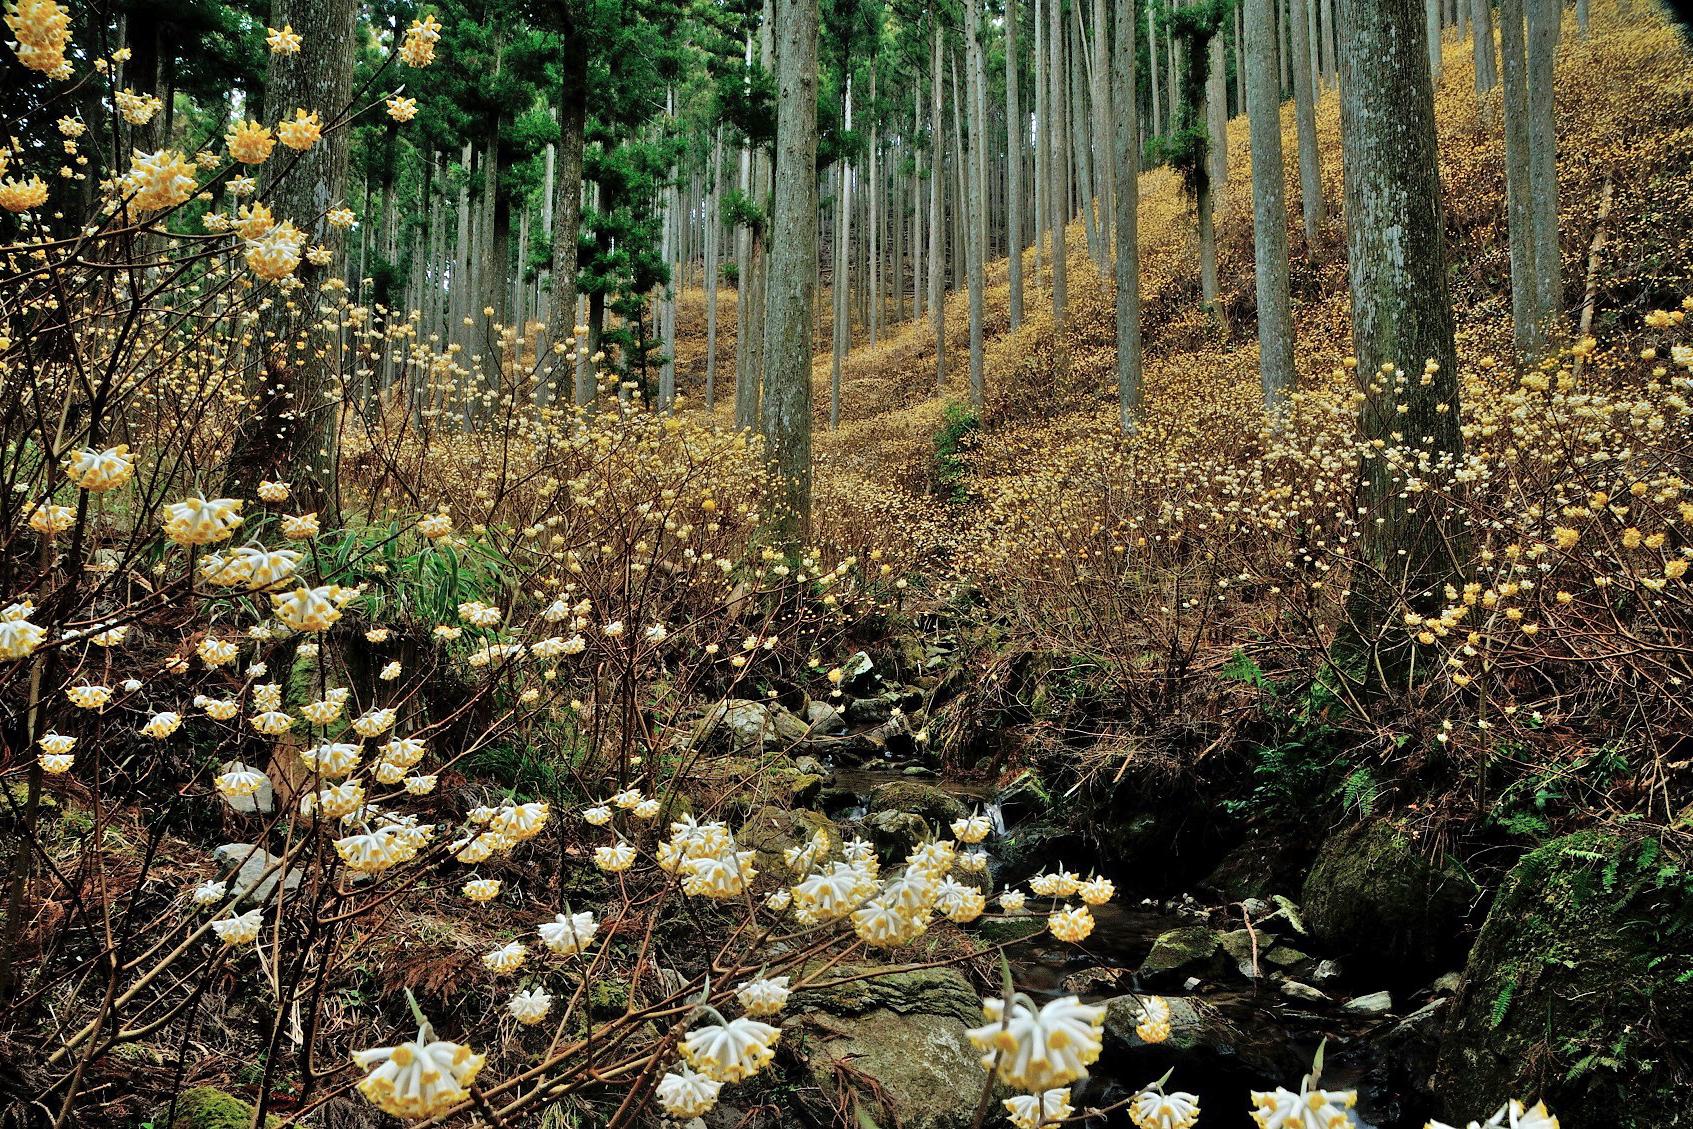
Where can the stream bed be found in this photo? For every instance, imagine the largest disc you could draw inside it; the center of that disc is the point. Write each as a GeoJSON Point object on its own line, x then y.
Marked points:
{"type": "Point", "coordinates": [1233, 1034]}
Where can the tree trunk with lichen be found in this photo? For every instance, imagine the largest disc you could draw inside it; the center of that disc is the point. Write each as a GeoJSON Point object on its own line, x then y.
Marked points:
{"type": "Point", "coordinates": [289, 432]}
{"type": "Point", "coordinates": [1413, 544]}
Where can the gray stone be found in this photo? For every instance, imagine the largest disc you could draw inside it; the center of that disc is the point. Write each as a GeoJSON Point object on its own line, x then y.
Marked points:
{"type": "Point", "coordinates": [1375, 1003]}
{"type": "Point", "coordinates": [856, 669]}
{"type": "Point", "coordinates": [894, 833]}
{"type": "Point", "coordinates": [825, 718]}
{"type": "Point", "coordinates": [903, 1033]}
{"type": "Point", "coordinates": [1294, 990]}
{"type": "Point", "coordinates": [252, 863]}
{"type": "Point", "coordinates": [262, 802]}
{"type": "Point", "coordinates": [871, 711]}
{"type": "Point", "coordinates": [1180, 953]}
{"type": "Point", "coordinates": [1326, 972]}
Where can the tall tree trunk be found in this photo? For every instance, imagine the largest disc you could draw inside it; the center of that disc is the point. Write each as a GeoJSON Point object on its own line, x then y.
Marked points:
{"type": "Point", "coordinates": [1217, 112]}
{"type": "Point", "coordinates": [918, 278]}
{"type": "Point", "coordinates": [1126, 142]}
{"type": "Point", "coordinates": [1057, 160]}
{"type": "Point", "coordinates": [1104, 130]}
{"type": "Point", "coordinates": [670, 248]}
{"type": "Point", "coordinates": [1331, 63]}
{"type": "Point", "coordinates": [567, 200]}
{"type": "Point", "coordinates": [937, 189]}
{"type": "Point", "coordinates": [290, 428]}
{"type": "Point", "coordinates": [793, 272]}
{"type": "Point", "coordinates": [1481, 36]}
{"type": "Point", "coordinates": [1080, 146]}
{"type": "Point", "coordinates": [1269, 210]}
{"type": "Point", "coordinates": [1544, 19]}
{"type": "Point", "coordinates": [1240, 57]}
{"type": "Point", "coordinates": [713, 236]}
{"type": "Point", "coordinates": [1413, 543]}
{"type": "Point", "coordinates": [1016, 136]}
{"type": "Point", "coordinates": [1305, 113]}
{"type": "Point", "coordinates": [840, 270]}
{"type": "Point", "coordinates": [978, 208]}
{"type": "Point", "coordinates": [1527, 317]}
{"type": "Point", "coordinates": [873, 234]}
{"type": "Point", "coordinates": [1431, 27]}
{"type": "Point", "coordinates": [1152, 72]}
{"type": "Point", "coordinates": [1043, 126]}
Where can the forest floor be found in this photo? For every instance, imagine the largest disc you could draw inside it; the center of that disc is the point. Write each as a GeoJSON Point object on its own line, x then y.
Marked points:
{"type": "Point", "coordinates": [1625, 114]}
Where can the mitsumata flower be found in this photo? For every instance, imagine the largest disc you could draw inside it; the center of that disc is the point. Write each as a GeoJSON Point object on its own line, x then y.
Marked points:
{"type": "Point", "coordinates": [1028, 1111]}
{"type": "Point", "coordinates": [728, 1051]}
{"type": "Point", "coordinates": [1038, 1049]}
{"type": "Point", "coordinates": [1512, 1115]}
{"type": "Point", "coordinates": [1310, 1108]}
{"type": "Point", "coordinates": [569, 934]}
{"type": "Point", "coordinates": [1152, 1108]}
{"type": "Point", "coordinates": [422, 1078]}
{"type": "Point", "coordinates": [684, 1094]}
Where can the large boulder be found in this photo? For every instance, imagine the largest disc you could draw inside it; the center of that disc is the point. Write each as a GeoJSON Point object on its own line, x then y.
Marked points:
{"type": "Point", "coordinates": [936, 807]}
{"type": "Point", "coordinates": [771, 830]}
{"type": "Point", "coordinates": [1578, 991]}
{"type": "Point", "coordinates": [748, 726]}
{"type": "Point", "coordinates": [1375, 897]}
{"type": "Point", "coordinates": [892, 1045]}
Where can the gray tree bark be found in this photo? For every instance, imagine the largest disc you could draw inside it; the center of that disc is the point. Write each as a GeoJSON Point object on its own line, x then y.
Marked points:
{"type": "Point", "coordinates": [937, 188]}
{"type": "Point", "coordinates": [290, 427]}
{"type": "Point", "coordinates": [793, 272]}
{"type": "Point", "coordinates": [1016, 141]}
{"type": "Point", "coordinates": [1481, 36]}
{"type": "Point", "coordinates": [1269, 210]}
{"type": "Point", "coordinates": [1057, 161]}
{"type": "Point", "coordinates": [1152, 73]}
{"type": "Point", "coordinates": [1305, 114]}
{"type": "Point", "coordinates": [1527, 317]}
{"type": "Point", "coordinates": [839, 265]}
{"type": "Point", "coordinates": [1544, 26]}
{"type": "Point", "coordinates": [1412, 543]}
{"type": "Point", "coordinates": [1126, 143]}
{"type": "Point", "coordinates": [1431, 28]}
{"type": "Point", "coordinates": [977, 210]}
{"type": "Point", "coordinates": [713, 236]}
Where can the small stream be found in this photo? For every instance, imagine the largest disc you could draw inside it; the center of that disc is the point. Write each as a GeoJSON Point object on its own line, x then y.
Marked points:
{"type": "Point", "coordinates": [1254, 1038]}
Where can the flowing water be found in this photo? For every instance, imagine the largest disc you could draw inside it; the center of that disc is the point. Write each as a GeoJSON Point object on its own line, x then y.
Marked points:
{"type": "Point", "coordinates": [1250, 1037]}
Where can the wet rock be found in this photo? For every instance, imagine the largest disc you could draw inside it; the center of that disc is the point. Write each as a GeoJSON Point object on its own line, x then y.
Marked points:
{"type": "Point", "coordinates": [1297, 990]}
{"type": "Point", "coordinates": [894, 833]}
{"type": "Point", "coordinates": [871, 711]}
{"type": "Point", "coordinates": [918, 771]}
{"type": "Point", "coordinates": [825, 718]}
{"type": "Point", "coordinates": [857, 670]}
{"type": "Point", "coordinates": [1373, 896]}
{"type": "Point", "coordinates": [1326, 972]}
{"type": "Point", "coordinates": [746, 725]}
{"type": "Point", "coordinates": [1375, 1003]}
{"type": "Point", "coordinates": [1179, 953]}
{"type": "Point", "coordinates": [1205, 1040]}
{"type": "Point", "coordinates": [1285, 957]}
{"type": "Point", "coordinates": [897, 1040]}
{"type": "Point", "coordinates": [252, 863]}
{"type": "Point", "coordinates": [771, 830]}
{"type": "Point", "coordinates": [1237, 943]}
{"type": "Point", "coordinates": [1024, 798]}
{"type": "Point", "coordinates": [811, 766]}
{"type": "Point", "coordinates": [1408, 1050]}
{"type": "Point", "coordinates": [925, 801]}
{"type": "Point", "coordinates": [1583, 954]}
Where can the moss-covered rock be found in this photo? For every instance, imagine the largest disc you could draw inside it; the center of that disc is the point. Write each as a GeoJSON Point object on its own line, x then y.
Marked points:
{"type": "Point", "coordinates": [935, 806]}
{"type": "Point", "coordinates": [1374, 897]}
{"type": "Point", "coordinates": [771, 830]}
{"type": "Point", "coordinates": [893, 1043]}
{"type": "Point", "coordinates": [207, 1107]}
{"type": "Point", "coordinates": [855, 989]}
{"type": "Point", "coordinates": [1580, 990]}
{"type": "Point", "coordinates": [1192, 950]}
